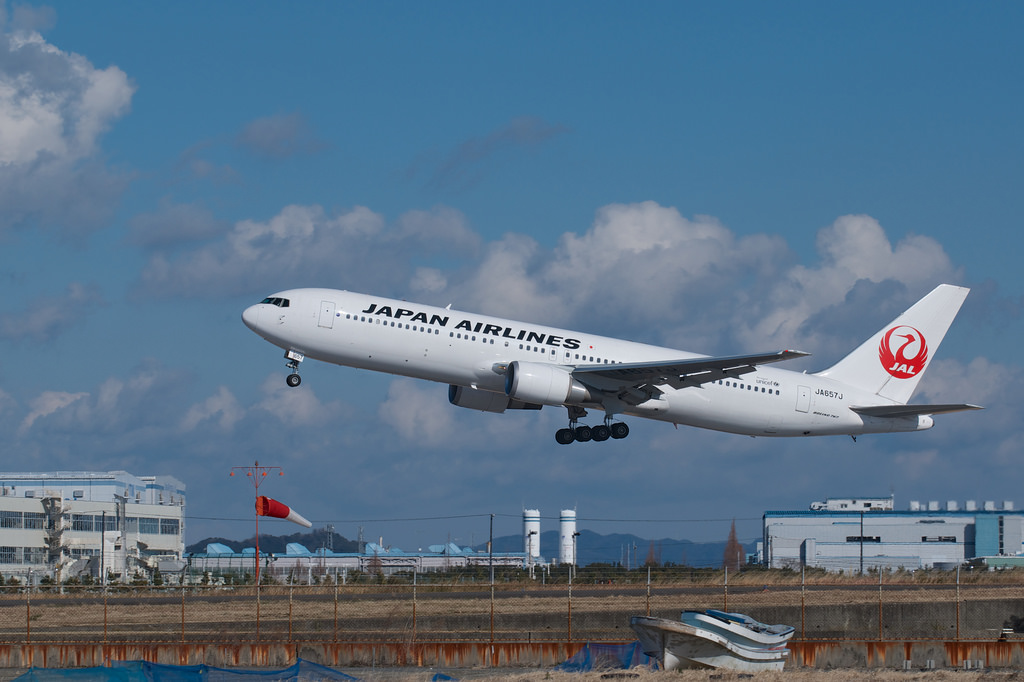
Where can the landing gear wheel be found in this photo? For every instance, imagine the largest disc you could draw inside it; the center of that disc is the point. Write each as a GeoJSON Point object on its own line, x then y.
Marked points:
{"type": "Point", "coordinates": [564, 436]}
{"type": "Point", "coordinates": [583, 433]}
{"type": "Point", "coordinates": [619, 430]}
{"type": "Point", "coordinates": [600, 432]}
{"type": "Point", "coordinates": [293, 380]}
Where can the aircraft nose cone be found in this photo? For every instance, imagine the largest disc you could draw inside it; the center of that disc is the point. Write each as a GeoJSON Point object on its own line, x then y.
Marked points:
{"type": "Point", "coordinates": [251, 316]}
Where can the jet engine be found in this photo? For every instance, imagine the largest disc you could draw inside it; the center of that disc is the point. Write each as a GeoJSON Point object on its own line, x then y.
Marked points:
{"type": "Point", "coordinates": [536, 382]}
{"type": "Point", "coordinates": [485, 401]}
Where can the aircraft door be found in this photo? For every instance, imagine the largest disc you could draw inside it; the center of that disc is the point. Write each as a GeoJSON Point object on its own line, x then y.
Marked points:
{"type": "Point", "coordinates": [803, 399]}
{"type": "Point", "coordinates": [327, 314]}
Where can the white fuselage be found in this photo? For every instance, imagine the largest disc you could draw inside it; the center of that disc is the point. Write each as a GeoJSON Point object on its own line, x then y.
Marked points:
{"type": "Point", "coordinates": [471, 350]}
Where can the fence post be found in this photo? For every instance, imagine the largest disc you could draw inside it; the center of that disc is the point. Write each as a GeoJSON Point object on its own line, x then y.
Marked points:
{"type": "Point", "coordinates": [958, 603]}
{"type": "Point", "coordinates": [569, 624]}
{"type": "Point", "coordinates": [335, 606]}
{"type": "Point", "coordinates": [725, 591]}
{"type": "Point", "coordinates": [183, 609]}
{"type": "Point", "coordinates": [803, 602]}
{"type": "Point", "coordinates": [648, 591]}
{"type": "Point", "coordinates": [879, 603]}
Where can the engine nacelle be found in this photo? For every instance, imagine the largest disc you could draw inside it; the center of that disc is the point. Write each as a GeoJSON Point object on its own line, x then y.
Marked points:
{"type": "Point", "coordinates": [485, 401]}
{"type": "Point", "coordinates": [537, 382]}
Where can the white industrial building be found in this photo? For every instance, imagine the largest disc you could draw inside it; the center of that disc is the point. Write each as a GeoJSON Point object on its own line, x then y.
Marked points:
{"type": "Point", "coordinates": [860, 534]}
{"type": "Point", "coordinates": [73, 523]}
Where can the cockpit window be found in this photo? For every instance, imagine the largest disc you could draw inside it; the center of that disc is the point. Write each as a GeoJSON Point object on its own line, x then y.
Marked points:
{"type": "Point", "coordinates": [279, 302]}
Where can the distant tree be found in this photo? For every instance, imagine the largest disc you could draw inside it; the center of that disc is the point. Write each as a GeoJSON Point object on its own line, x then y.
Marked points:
{"type": "Point", "coordinates": [376, 566]}
{"type": "Point", "coordinates": [734, 552]}
{"type": "Point", "coordinates": [653, 559]}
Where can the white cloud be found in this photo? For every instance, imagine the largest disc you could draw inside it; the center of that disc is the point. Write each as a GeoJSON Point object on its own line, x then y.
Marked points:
{"type": "Point", "coordinates": [48, 316]}
{"type": "Point", "coordinates": [54, 107]}
{"type": "Point", "coordinates": [222, 406]}
{"type": "Point", "coordinates": [172, 224]}
{"type": "Point", "coordinates": [416, 411]}
{"type": "Point", "coordinates": [47, 403]}
{"type": "Point", "coordinates": [304, 245]}
{"type": "Point", "coordinates": [279, 137]}
{"type": "Point", "coordinates": [296, 407]}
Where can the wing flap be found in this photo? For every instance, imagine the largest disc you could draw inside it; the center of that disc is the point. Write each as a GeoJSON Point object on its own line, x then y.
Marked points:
{"type": "Point", "coordinates": [690, 371]}
{"type": "Point", "coordinates": [894, 411]}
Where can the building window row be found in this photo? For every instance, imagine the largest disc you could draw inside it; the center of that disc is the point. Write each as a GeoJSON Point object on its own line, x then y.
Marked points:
{"type": "Point", "coordinates": [18, 520]}
{"type": "Point", "coordinates": [22, 555]}
{"type": "Point", "coordinates": [90, 523]}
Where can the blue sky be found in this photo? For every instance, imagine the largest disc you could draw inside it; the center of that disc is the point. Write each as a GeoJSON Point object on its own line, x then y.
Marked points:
{"type": "Point", "coordinates": [719, 178]}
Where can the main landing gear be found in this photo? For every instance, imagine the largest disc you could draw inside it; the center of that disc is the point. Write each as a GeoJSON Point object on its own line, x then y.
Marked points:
{"type": "Point", "coordinates": [294, 358]}
{"type": "Point", "coordinates": [584, 433]}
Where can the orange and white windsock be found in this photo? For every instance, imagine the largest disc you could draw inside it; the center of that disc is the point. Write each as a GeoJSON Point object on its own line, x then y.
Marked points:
{"type": "Point", "coordinates": [268, 507]}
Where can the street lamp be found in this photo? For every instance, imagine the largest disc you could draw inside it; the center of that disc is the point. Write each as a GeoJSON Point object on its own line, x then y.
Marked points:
{"type": "Point", "coordinates": [529, 551]}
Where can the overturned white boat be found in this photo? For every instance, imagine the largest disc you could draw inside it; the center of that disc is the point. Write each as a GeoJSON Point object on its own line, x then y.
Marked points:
{"type": "Point", "coordinates": [713, 639]}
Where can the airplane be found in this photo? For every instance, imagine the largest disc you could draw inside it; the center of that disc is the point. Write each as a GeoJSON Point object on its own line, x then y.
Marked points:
{"type": "Point", "coordinates": [493, 365]}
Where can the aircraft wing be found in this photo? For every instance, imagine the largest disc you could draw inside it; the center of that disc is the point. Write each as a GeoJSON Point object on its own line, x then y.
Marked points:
{"type": "Point", "coordinates": [678, 373]}
{"type": "Point", "coordinates": [911, 410]}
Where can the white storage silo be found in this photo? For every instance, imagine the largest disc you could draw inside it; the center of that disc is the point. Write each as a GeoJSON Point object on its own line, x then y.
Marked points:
{"type": "Point", "coordinates": [567, 537]}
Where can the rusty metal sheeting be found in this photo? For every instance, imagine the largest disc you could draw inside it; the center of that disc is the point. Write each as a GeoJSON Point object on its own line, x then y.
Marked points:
{"type": "Point", "coordinates": [916, 655]}
{"type": "Point", "coordinates": [278, 654]}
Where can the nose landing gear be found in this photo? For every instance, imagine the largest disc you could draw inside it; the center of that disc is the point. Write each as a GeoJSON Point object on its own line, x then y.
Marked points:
{"type": "Point", "coordinates": [294, 358]}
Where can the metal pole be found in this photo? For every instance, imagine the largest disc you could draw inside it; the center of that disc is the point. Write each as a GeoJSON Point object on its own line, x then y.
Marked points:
{"type": "Point", "coordinates": [862, 543]}
{"type": "Point", "coordinates": [648, 591]}
{"type": "Point", "coordinates": [570, 606]}
{"type": "Point", "coordinates": [958, 603]}
{"type": "Point", "coordinates": [879, 603]}
{"type": "Point", "coordinates": [725, 591]}
{"type": "Point", "coordinates": [490, 555]}
{"type": "Point", "coordinates": [803, 602]}
{"type": "Point", "coordinates": [103, 543]}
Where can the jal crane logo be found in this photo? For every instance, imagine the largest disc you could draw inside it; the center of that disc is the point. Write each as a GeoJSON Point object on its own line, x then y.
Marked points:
{"type": "Point", "coordinates": [903, 352]}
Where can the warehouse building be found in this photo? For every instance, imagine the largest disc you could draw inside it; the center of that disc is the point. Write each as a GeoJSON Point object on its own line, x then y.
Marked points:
{"type": "Point", "coordinates": [860, 534]}
{"type": "Point", "coordinates": [106, 525]}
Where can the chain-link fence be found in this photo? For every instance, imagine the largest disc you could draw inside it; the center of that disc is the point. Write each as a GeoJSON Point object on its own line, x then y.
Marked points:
{"type": "Point", "coordinates": [881, 608]}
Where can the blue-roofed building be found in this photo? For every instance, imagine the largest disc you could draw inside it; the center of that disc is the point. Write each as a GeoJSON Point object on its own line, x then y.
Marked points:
{"type": "Point", "coordinates": [301, 564]}
{"type": "Point", "coordinates": [855, 534]}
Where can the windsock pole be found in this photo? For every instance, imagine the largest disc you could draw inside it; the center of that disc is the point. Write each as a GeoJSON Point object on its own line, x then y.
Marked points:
{"type": "Point", "coordinates": [256, 474]}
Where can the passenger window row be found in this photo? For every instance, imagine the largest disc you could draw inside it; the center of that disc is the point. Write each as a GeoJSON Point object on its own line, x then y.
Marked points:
{"type": "Point", "coordinates": [749, 387]}
{"type": "Point", "coordinates": [370, 320]}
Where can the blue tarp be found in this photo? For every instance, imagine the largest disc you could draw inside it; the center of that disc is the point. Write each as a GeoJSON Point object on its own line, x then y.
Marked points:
{"type": "Point", "coordinates": [608, 657]}
{"type": "Point", "coordinates": [143, 671]}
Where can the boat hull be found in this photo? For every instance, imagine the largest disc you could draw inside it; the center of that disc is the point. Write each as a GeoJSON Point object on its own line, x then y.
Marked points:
{"type": "Point", "coordinates": [738, 628]}
{"type": "Point", "coordinates": [678, 645]}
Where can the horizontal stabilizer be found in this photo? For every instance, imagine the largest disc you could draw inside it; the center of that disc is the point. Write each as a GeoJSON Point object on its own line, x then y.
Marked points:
{"type": "Point", "coordinates": [911, 410]}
